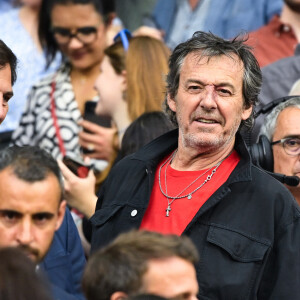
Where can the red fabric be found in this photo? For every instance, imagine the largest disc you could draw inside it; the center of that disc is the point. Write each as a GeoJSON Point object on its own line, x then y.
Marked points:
{"type": "Point", "coordinates": [273, 42]}
{"type": "Point", "coordinates": [182, 210]}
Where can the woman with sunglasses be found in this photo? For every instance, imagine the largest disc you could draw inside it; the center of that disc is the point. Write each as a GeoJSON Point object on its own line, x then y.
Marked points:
{"type": "Point", "coordinates": [131, 82]}
{"type": "Point", "coordinates": [78, 29]}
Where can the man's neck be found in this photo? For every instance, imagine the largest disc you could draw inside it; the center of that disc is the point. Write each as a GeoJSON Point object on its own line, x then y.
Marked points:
{"type": "Point", "coordinates": [194, 159]}
{"type": "Point", "coordinates": [291, 18]}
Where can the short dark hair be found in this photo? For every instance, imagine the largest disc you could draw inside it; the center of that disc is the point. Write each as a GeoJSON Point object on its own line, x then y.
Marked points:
{"type": "Point", "coordinates": [209, 45]}
{"type": "Point", "coordinates": [18, 278]}
{"type": "Point", "coordinates": [120, 266]}
{"type": "Point", "coordinates": [44, 29]}
{"type": "Point", "coordinates": [8, 57]}
{"type": "Point", "coordinates": [31, 164]}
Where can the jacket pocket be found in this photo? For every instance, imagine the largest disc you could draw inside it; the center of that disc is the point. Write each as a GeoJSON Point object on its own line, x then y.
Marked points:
{"type": "Point", "coordinates": [240, 247]}
{"type": "Point", "coordinates": [230, 264]}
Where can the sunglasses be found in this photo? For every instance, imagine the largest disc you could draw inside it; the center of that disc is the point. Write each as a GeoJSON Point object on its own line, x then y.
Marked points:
{"type": "Point", "coordinates": [123, 36]}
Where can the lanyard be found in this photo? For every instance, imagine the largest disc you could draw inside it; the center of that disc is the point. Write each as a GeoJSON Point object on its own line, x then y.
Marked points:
{"type": "Point", "coordinates": [55, 121]}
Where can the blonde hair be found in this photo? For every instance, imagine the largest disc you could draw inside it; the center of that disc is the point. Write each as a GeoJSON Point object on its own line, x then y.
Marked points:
{"type": "Point", "coordinates": [146, 65]}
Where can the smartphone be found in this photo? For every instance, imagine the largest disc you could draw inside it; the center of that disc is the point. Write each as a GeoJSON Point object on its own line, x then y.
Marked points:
{"type": "Point", "coordinates": [77, 167]}
{"type": "Point", "coordinates": [90, 115]}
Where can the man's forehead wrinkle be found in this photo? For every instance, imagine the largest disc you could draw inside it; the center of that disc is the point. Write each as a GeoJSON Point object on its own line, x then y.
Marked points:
{"type": "Point", "coordinates": [191, 72]}
{"type": "Point", "coordinates": [199, 58]}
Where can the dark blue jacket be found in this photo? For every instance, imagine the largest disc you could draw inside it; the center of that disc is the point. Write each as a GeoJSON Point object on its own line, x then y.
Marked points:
{"type": "Point", "coordinates": [65, 261]}
{"type": "Point", "coordinates": [247, 232]}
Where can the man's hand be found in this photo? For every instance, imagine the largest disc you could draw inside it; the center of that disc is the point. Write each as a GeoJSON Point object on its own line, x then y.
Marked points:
{"type": "Point", "coordinates": [79, 192]}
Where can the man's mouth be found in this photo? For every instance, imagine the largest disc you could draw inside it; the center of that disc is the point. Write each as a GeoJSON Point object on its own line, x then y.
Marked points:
{"type": "Point", "coordinates": [206, 121]}
{"type": "Point", "coordinates": [30, 252]}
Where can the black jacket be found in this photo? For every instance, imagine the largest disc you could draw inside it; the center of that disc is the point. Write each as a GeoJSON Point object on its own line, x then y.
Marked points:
{"type": "Point", "coordinates": [247, 233]}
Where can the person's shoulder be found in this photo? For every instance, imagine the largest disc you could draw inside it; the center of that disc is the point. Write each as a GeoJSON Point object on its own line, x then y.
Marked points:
{"type": "Point", "coordinates": [43, 82]}
{"type": "Point", "coordinates": [257, 37]}
{"type": "Point", "coordinates": [125, 164]}
{"type": "Point", "coordinates": [10, 27]}
{"type": "Point", "coordinates": [47, 80]}
{"type": "Point", "coordinates": [273, 190]}
{"type": "Point", "coordinates": [259, 174]}
{"type": "Point", "coordinates": [282, 67]}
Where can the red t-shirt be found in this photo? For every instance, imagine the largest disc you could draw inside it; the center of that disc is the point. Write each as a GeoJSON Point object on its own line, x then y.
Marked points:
{"type": "Point", "coordinates": [182, 210]}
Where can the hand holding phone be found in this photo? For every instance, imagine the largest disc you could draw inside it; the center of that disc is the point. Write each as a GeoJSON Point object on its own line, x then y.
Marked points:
{"type": "Point", "coordinates": [91, 116]}
{"type": "Point", "coordinates": [77, 167]}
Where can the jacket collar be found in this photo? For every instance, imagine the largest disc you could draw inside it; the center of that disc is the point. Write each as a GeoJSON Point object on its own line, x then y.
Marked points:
{"type": "Point", "coordinates": [159, 148]}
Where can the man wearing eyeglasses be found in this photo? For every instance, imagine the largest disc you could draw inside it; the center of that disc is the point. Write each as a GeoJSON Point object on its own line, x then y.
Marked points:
{"type": "Point", "coordinates": [282, 128]}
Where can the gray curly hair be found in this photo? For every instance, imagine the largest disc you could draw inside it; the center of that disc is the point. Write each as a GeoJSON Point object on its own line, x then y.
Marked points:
{"type": "Point", "coordinates": [209, 45]}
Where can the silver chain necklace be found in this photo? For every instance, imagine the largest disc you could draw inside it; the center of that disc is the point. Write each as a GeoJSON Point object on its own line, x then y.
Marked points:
{"type": "Point", "coordinates": [189, 195]}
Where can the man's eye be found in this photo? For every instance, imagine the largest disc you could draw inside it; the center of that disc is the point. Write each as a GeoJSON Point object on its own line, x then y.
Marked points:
{"type": "Point", "coordinates": [194, 88]}
{"type": "Point", "coordinates": [9, 216]}
{"type": "Point", "coordinates": [6, 98]}
{"type": "Point", "coordinates": [224, 92]}
{"type": "Point", "coordinates": [293, 142]}
{"type": "Point", "coordinates": [41, 219]}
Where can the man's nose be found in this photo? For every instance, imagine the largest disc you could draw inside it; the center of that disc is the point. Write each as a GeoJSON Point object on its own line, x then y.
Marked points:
{"type": "Point", "coordinates": [25, 233]}
{"type": "Point", "coordinates": [208, 98]}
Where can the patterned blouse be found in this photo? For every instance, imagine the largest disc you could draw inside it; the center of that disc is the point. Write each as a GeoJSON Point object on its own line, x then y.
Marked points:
{"type": "Point", "coordinates": [36, 125]}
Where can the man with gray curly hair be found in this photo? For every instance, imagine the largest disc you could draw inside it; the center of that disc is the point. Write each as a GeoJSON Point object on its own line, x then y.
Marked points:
{"type": "Point", "coordinates": [199, 180]}
{"type": "Point", "coordinates": [282, 128]}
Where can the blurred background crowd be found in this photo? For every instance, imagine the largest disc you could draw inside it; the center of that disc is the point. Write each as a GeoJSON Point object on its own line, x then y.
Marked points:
{"type": "Point", "coordinates": [91, 74]}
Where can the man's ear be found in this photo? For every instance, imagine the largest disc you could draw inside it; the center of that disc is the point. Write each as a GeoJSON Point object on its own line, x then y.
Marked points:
{"type": "Point", "coordinates": [247, 113]}
{"type": "Point", "coordinates": [171, 103]}
{"type": "Point", "coordinates": [61, 213]}
{"type": "Point", "coordinates": [118, 296]}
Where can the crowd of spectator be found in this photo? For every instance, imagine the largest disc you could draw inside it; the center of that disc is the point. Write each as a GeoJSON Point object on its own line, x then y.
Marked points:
{"type": "Point", "coordinates": [181, 121]}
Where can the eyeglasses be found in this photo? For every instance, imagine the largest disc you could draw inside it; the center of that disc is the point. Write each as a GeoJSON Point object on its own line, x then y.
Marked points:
{"type": "Point", "coordinates": [85, 35]}
{"type": "Point", "coordinates": [123, 36]}
{"type": "Point", "coordinates": [291, 145]}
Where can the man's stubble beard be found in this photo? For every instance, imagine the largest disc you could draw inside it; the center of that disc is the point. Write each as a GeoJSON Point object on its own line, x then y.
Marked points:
{"type": "Point", "coordinates": [193, 140]}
